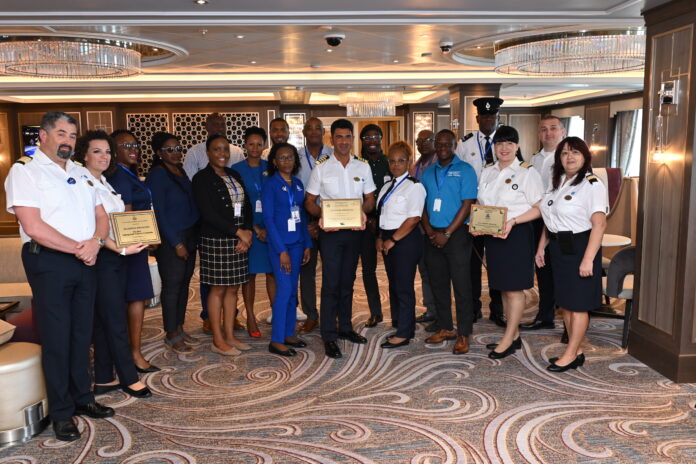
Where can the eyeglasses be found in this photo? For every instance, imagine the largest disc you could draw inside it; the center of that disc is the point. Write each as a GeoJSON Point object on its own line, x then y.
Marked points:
{"type": "Point", "coordinates": [285, 158]}
{"type": "Point", "coordinates": [375, 138]}
{"type": "Point", "coordinates": [171, 149]}
{"type": "Point", "coordinates": [129, 146]}
{"type": "Point", "coordinates": [430, 139]}
{"type": "Point", "coordinates": [398, 161]}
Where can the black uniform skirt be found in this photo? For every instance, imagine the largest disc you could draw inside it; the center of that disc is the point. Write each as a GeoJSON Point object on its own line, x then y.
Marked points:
{"type": "Point", "coordinates": [220, 265]}
{"type": "Point", "coordinates": [510, 261]}
{"type": "Point", "coordinates": [571, 291]}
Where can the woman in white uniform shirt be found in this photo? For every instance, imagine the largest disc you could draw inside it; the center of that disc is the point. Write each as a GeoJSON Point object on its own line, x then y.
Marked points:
{"type": "Point", "coordinates": [97, 151]}
{"type": "Point", "coordinates": [574, 211]}
{"type": "Point", "coordinates": [510, 183]}
{"type": "Point", "coordinates": [399, 207]}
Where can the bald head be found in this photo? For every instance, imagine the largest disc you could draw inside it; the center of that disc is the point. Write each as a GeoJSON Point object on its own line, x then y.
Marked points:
{"type": "Point", "coordinates": [313, 132]}
{"type": "Point", "coordinates": [215, 124]}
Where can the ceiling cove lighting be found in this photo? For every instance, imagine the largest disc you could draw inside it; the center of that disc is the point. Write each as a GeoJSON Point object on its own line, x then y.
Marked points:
{"type": "Point", "coordinates": [572, 53]}
{"type": "Point", "coordinates": [370, 104]}
{"type": "Point", "coordinates": [69, 58]}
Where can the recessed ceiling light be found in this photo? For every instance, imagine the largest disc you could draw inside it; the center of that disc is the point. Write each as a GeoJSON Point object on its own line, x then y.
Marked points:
{"type": "Point", "coordinates": [200, 2]}
{"type": "Point", "coordinates": [253, 62]}
{"type": "Point", "coordinates": [240, 36]}
{"type": "Point", "coordinates": [155, 49]}
{"type": "Point", "coordinates": [329, 50]}
{"type": "Point", "coordinates": [424, 36]}
{"type": "Point", "coordinates": [395, 60]}
{"type": "Point", "coordinates": [478, 46]}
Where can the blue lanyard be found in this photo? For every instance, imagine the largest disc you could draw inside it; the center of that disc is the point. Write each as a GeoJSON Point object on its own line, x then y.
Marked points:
{"type": "Point", "coordinates": [385, 198]}
{"type": "Point", "coordinates": [440, 180]}
{"type": "Point", "coordinates": [231, 184]}
{"type": "Point", "coordinates": [309, 158]}
{"type": "Point", "coordinates": [149, 192]}
{"type": "Point", "coordinates": [483, 155]}
{"type": "Point", "coordinates": [290, 192]}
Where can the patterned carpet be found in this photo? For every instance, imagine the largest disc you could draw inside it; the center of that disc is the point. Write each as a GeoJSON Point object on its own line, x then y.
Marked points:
{"type": "Point", "coordinates": [417, 404]}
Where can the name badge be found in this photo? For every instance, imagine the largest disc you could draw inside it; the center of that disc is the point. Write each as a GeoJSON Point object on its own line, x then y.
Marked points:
{"type": "Point", "coordinates": [291, 225]}
{"type": "Point", "coordinates": [237, 209]}
{"type": "Point", "coordinates": [259, 207]}
{"type": "Point", "coordinates": [437, 204]}
{"type": "Point", "coordinates": [295, 213]}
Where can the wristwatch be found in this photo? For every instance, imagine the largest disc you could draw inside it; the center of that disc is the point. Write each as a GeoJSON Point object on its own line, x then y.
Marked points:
{"type": "Point", "coordinates": [100, 241]}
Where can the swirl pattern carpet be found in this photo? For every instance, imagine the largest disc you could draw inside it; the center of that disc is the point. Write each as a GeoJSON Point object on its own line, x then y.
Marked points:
{"type": "Point", "coordinates": [417, 404]}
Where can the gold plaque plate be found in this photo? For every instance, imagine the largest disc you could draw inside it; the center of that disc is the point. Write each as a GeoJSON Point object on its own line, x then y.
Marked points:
{"type": "Point", "coordinates": [487, 219]}
{"type": "Point", "coordinates": [133, 227]}
{"type": "Point", "coordinates": [341, 214]}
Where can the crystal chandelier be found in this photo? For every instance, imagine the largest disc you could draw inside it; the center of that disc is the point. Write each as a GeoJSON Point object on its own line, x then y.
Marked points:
{"type": "Point", "coordinates": [370, 104]}
{"type": "Point", "coordinates": [572, 53]}
{"type": "Point", "coordinates": [68, 58]}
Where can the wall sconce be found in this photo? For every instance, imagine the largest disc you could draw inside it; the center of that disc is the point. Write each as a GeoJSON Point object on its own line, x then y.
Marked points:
{"type": "Point", "coordinates": [594, 145]}
{"type": "Point", "coordinates": [667, 107]}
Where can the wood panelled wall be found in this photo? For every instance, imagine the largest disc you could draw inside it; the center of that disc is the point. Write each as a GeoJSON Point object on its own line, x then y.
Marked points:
{"type": "Point", "coordinates": [663, 330]}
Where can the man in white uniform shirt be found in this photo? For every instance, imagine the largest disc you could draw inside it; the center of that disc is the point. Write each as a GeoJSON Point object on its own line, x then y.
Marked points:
{"type": "Point", "coordinates": [476, 148]}
{"type": "Point", "coordinates": [197, 156]}
{"type": "Point", "coordinates": [62, 225]}
{"type": "Point", "coordinates": [313, 150]}
{"type": "Point", "coordinates": [551, 132]}
{"type": "Point", "coordinates": [339, 176]}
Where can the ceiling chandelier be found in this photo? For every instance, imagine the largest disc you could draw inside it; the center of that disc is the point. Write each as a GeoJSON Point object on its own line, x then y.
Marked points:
{"type": "Point", "coordinates": [68, 58]}
{"type": "Point", "coordinates": [572, 53]}
{"type": "Point", "coordinates": [370, 104]}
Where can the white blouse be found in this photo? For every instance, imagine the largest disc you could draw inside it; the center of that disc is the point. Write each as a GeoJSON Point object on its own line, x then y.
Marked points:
{"type": "Point", "coordinates": [405, 200]}
{"type": "Point", "coordinates": [571, 206]}
{"type": "Point", "coordinates": [517, 187]}
{"type": "Point", "coordinates": [110, 200]}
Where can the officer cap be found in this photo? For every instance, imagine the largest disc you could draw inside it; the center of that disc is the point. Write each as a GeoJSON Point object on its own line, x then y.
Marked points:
{"type": "Point", "coordinates": [488, 105]}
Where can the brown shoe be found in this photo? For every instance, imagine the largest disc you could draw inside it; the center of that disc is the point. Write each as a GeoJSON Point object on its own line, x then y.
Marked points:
{"type": "Point", "coordinates": [461, 346]}
{"type": "Point", "coordinates": [308, 326]}
{"type": "Point", "coordinates": [207, 329]}
{"type": "Point", "coordinates": [441, 336]}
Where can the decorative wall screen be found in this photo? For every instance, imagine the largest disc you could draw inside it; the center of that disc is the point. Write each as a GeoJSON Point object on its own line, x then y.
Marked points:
{"type": "Point", "coordinates": [144, 125]}
{"type": "Point", "coordinates": [100, 120]}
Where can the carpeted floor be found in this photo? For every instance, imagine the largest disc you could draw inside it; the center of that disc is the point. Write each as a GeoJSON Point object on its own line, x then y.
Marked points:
{"type": "Point", "coordinates": [418, 404]}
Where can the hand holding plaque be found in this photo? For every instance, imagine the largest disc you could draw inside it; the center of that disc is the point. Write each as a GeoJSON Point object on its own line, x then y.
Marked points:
{"type": "Point", "coordinates": [487, 220]}
{"type": "Point", "coordinates": [341, 214]}
{"type": "Point", "coordinates": [133, 227]}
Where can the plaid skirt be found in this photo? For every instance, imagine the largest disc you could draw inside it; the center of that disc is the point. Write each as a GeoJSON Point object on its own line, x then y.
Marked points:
{"type": "Point", "coordinates": [220, 265]}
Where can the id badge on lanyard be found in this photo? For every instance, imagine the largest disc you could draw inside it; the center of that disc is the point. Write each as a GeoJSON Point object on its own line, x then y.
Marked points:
{"type": "Point", "coordinates": [237, 209]}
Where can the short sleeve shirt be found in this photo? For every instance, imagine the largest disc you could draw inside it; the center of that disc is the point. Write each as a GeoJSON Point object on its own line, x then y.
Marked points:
{"type": "Point", "coordinates": [543, 163]}
{"type": "Point", "coordinates": [307, 162]}
{"type": "Point", "coordinates": [110, 200]}
{"type": "Point", "coordinates": [404, 201]}
{"type": "Point", "coordinates": [197, 158]}
{"type": "Point", "coordinates": [450, 185]}
{"type": "Point", "coordinates": [330, 180]}
{"type": "Point", "coordinates": [516, 187]}
{"type": "Point", "coordinates": [570, 207]}
{"type": "Point", "coordinates": [65, 199]}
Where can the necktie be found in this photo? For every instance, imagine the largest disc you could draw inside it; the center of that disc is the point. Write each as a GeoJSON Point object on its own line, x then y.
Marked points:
{"type": "Point", "coordinates": [488, 153]}
{"type": "Point", "coordinates": [381, 202]}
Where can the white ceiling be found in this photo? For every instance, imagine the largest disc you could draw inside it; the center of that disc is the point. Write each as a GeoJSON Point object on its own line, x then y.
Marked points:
{"type": "Point", "coordinates": [226, 50]}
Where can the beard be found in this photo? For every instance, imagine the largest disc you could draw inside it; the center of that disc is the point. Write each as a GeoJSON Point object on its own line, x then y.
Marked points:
{"type": "Point", "coordinates": [64, 151]}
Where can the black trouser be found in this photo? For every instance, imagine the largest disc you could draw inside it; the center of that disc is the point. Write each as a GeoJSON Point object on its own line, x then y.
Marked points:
{"type": "Point", "coordinates": [63, 289]}
{"type": "Point", "coordinates": [451, 264]}
{"type": "Point", "coordinates": [401, 263]}
{"type": "Point", "coordinates": [339, 260]}
{"type": "Point", "coordinates": [477, 253]}
{"type": "Point", "coordinates": [368, 258]}
{"type": "Point", "coordinates": [110, 339]}
{"type": "Point", "coordinates": [176, 275]}
{"type": "Point", "coordinates": [308, 284]}
{"type": "Point", "coordinates": [547, 304]}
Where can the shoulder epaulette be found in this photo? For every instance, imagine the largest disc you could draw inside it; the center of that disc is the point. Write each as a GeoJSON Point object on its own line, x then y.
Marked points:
{"type": "Point", "coordinates": [525, 165]}
{"type": "Point", "coordinates": [413, 179]}
{"type": "Point", "coordinates": [360, 159]}
{"type": "Point", "coordinates": [467, 136]}
{"type": "Point", "coordinates": [322, 159]}
{"type": "Point", "coordinates": [489, 165]}
{"type": "Point", "coordinates": [77, 163]}
{"type": "Point", "coordinates": [592, 178]}
{"type": "Point", "coordinates": [24, 160]}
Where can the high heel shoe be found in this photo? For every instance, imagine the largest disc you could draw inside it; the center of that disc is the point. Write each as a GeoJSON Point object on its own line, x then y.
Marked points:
{"type": "Point", "coordinates": [253, 333]}
{"type": "Point", "coordinates": [142, 393]}
{"type": "Point", "coordinates": [517, 343]}
{"type": "Point", "coordinates": [147, 370]}
{"type": "Point", "coordinates": [577, 362]}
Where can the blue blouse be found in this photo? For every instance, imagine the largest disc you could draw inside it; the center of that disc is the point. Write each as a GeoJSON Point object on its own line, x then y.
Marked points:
{"type": "Point", "coordinates": [132, 190]}
{"type": "Point", "coordinates": [277, 197]}
{"type": "Point", "coordinates": [254, 179]}
{"type": "Point", "coordinates": [172, 197]}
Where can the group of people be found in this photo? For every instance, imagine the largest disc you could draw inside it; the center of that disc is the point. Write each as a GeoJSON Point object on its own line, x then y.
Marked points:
{"type": "Point", "coordinates": [256, 210]}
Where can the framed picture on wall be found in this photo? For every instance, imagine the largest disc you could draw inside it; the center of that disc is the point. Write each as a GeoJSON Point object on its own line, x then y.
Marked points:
{"type": "Point", "coordinates": [423, 120]}
{"type": "Point", "coordinates": [296, 123]}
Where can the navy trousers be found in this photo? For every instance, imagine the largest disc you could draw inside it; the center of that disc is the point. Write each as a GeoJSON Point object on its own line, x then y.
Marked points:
{"type": "Point", "coordinates": [477, 252]}
{"type": "Point", "coordinates": [368, 260]}
{"type": "Point", "coordinates": [547, 303]}
{"type": "Point", "coordinates": [308, 284]}
{"type": "Point", "coordinates": [64, 290]}
{"type": "Point", "coordinates": [401, 263]}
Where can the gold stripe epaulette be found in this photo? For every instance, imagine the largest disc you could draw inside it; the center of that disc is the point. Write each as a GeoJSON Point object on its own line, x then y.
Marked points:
{"type": "Point", "coordinates": [525, 164]}
{"type": "Point", "coordinates": [24, 160]}
{"type": "Point", "coordinates": [322, 159]}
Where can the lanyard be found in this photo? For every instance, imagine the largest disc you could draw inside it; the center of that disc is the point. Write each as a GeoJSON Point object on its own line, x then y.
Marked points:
{"type": "Point", "coordinates": [309, 158]}
{"type": "Point", "coordinates": [290, 192]}
{"type": "Point", "coordinates": [386, 197]}
{"type": "Point", "coordinates": [440, 180]}
{"type": "Point", "coordinates": [149, 192]}
{"type": "Point", "coordinates": [231, 184]}
{"type": "Point", "coordinates": [483, 155]}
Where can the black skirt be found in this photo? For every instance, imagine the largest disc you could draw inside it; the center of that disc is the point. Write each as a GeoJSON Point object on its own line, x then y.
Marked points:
{"type": "Point", "coordinates": [510, 261]}
{"type": "Point", "coordinates": [572, 292]}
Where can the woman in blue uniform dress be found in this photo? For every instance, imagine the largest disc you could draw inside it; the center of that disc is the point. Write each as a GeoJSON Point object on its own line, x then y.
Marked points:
{"type": "Point", "coordinates": [289, 242]}
{"type": "Point", "coordinates": [253, 172]}
{"type": "Point", "coordinates": [137, 197]}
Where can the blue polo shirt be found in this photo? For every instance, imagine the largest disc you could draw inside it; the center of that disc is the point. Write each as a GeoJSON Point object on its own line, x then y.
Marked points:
{"type": "Point", "coordinates": [457, 182]}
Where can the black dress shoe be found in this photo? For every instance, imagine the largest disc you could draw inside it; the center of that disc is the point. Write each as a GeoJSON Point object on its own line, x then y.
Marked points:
{"type": "Point", "coordinates": [553, 360]}
{"type": "Point", "coordinates": [373, 321]}
{"type": "Point", "coordinates": [517, 343]}
{"type": "Point", "coordinates": [103, 389]}
{"type": "Point", "coordinates": [564, 337]}
{"type": "Point", "coordinates": [142, 393]}
{"type": "Point", "coordinates": [150, 369]}
{"type": "Point", "coordinates": [289, 352]}
{"type": "Point", "coordinates": [536, 325]}
{"type": "Point", "coordinates": [498, 319]}
{"type": "Point", "coordinates": [425, 317]}
{"type": "Point", "coordinates": [352, 336]}
{"type": "Point", "coordinates": [577, 362]}
{"type": "Point", "coordinates": [432, 327]}
{"type": "Point", "coordinates": [389, 344]}
{"type": "Point", "coordinates": [94, 410]}
{"type": "Point", "coordinates": [298, 344]}
{"type": "Point", "coordinates": [66, 430]}
{"type": "Point", "coordinates": [503, 354]}
{"type": "Point", "coordinates": [332, 350]}
{"type": "Point", "coordinates": [477, 315]}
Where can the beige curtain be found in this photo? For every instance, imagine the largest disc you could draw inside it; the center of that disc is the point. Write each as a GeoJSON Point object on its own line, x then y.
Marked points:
{"type": "Point", "coordinates": [626, 142]}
